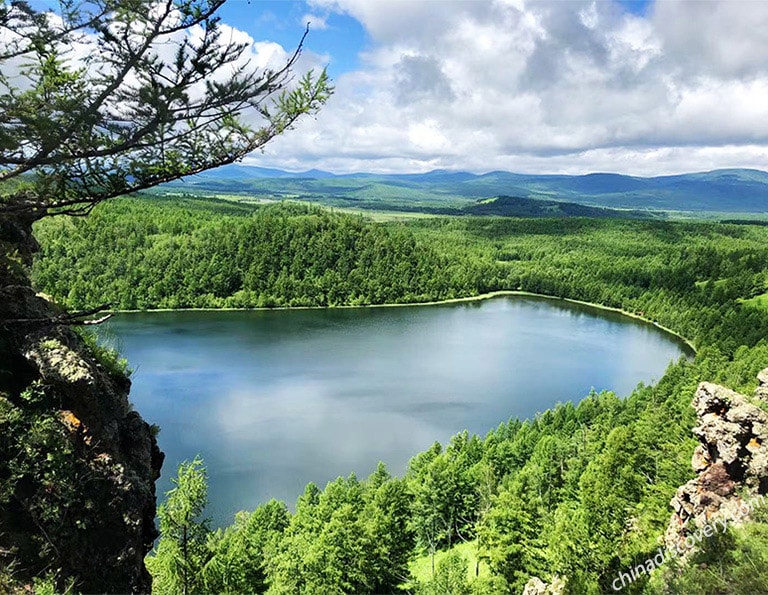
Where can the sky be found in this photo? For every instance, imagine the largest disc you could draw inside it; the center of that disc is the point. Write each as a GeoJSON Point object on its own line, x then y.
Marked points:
{"type": "Point", "coordinates": [640, 87]}
{"type": "Point", "coordinates": [634, 87]}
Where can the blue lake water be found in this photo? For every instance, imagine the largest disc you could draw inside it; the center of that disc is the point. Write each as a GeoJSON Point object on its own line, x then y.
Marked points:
{"type": "Point", "coordinates": [275, 399]}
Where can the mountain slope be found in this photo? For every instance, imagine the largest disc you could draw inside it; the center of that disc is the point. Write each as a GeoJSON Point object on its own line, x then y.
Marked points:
{"type": "Point", "coordinates": [726, 190]}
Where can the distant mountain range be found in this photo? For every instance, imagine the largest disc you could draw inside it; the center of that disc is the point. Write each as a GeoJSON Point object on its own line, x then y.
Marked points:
{"type": "Point", "coordinates": [723, 190]}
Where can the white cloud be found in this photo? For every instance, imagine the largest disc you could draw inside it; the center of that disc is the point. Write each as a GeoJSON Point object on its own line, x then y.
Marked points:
{"type": "Point", "coordinates": [718, 38]}
{"type": "Point", "coordinates": [315, 21]}
{"type": "Point", "coordinates": [544, 86]}
{"type": "Point", "coordinates": [427, 136]}
{"type": "Point", "coordinates": [532, 86]}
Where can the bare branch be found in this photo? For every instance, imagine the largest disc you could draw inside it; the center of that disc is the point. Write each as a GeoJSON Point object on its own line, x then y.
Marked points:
{"type": "Point", "coordinates": [65, 319]}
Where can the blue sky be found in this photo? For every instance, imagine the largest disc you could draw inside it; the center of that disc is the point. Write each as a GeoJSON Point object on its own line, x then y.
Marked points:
{"type": "Point", "coordinates": [547, 86]}
{"type": "Point", "coordinates": [338, 36]}
{"type": "Point", "coordinates": [639, 7]}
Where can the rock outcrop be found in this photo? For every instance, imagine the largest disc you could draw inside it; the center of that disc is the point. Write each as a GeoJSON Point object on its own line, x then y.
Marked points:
{"type": "Point", "coordinates": [536, 586]}
{"type": "Point", "coordinates": [77, 465]}
{"type": "Point", "coordinates": [731, 461]}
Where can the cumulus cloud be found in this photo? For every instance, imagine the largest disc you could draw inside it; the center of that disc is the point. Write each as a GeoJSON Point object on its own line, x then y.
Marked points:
{"type": "Point", "coordinates": [533, 85]}
{"type": "Point", "coordinates": [545, 86]}
{"type": "Point", "coordinates": [421, 78]}
{"type": "Point", "coordinates": [316, 21]}
{"type": "Point", "coordinates": [723, 39]}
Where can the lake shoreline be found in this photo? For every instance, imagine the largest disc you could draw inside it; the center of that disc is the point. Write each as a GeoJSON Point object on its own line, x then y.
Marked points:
{"type": "Point", "coordinates": [474, 298]}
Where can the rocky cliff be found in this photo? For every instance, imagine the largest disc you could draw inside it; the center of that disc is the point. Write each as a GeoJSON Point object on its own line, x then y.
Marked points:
{"type": "Point", "coordinates": [731, 461]}
{"type": "Point", "coordinates": [77, 465]}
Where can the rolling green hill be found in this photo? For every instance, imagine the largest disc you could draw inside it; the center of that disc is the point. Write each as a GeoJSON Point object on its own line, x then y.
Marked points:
{"type": "Point", "coordinates": [515, 206]}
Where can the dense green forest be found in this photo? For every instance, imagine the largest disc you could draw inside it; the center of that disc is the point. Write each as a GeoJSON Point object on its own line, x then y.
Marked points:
{"type": "Point", "coordinates": [204, 253]}
{"type": "Point", "coordinates": [582, 491]}
{"type": "Point", "coordinates": [690, 277]}
{"type": "Point", "coordinates": [552, 495]}
{"type": "Point", "coordinates": [188, 253]}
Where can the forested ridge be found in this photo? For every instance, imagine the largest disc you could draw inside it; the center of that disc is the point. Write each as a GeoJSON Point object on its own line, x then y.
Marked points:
{"type": "Point", "coordinates": [690, 277]}
{"type": "Point", "coordinates": [189, 253]}
{"type": "Point", "coordinates": [581, 491]}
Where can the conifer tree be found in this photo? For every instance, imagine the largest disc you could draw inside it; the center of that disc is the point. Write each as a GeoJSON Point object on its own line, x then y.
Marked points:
{"type": "Point", "coordinates": [104, 97]}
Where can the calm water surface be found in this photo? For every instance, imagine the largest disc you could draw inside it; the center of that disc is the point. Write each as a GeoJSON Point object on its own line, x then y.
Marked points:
{"type": "Point", "coordinates": [275, 399]}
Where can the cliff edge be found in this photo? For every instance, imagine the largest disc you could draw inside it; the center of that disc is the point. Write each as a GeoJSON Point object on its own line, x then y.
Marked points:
{"type": "Point", "coordinates": [77, 464]}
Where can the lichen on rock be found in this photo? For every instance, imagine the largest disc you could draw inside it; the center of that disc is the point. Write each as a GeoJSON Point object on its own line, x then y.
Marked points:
{"type": "Point", "coordinates": [731, 461]}
{"type": "Point", "coordinates": [59, 363]}
{"type": "Point", "coordinates": [77, 465]}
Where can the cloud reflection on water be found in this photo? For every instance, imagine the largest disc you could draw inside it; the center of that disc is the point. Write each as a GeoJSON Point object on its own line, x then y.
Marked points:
{"type": "Point", "coordinates": [273, 400]}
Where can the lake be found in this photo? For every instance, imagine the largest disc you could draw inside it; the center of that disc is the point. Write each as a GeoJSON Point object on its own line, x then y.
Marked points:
{"type": "Point", "coordinates": [275, 399]}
